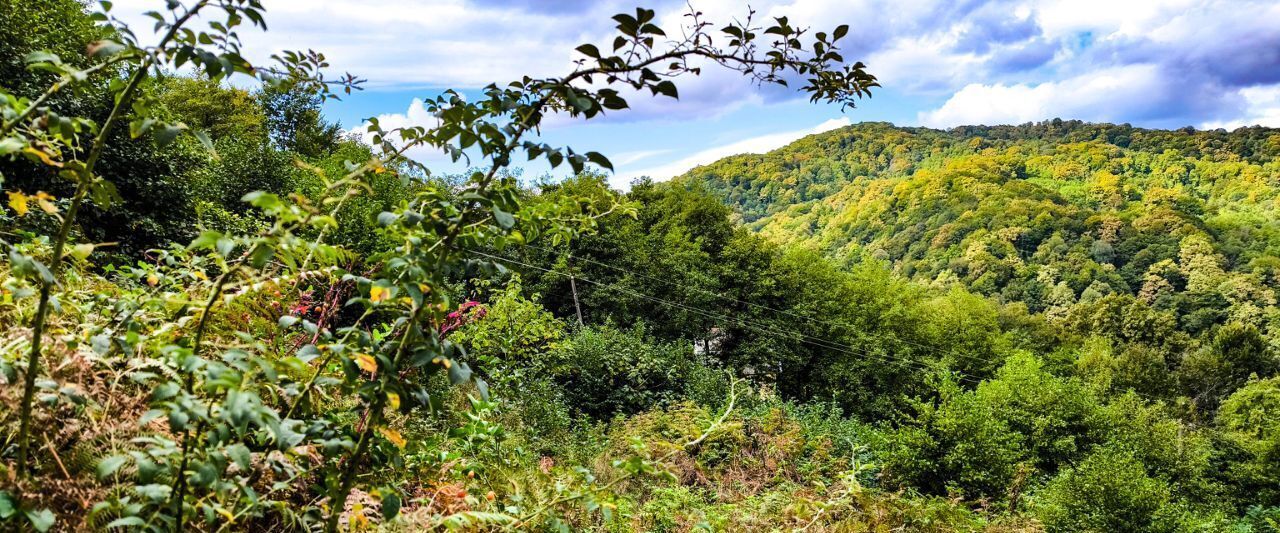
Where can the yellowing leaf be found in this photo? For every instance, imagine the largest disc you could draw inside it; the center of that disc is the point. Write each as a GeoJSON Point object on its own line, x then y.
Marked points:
{"type": "Point", "coordinates": [18, 202]}
{"type": "Point", "coordinates": [393, 401]}
{"type": "Point", "coordinates": [393, 436]}
{"type": "Point", "coordinates": [443, 361]}
{"type": "Point", "coordinates": [227, 514]}
{"type": "Point", "coordinates": [199, 274]}
{"type": "Point", "coordinates": [82, 250]}
{"type": "Point", "coordinates": [45, 201]}
{"type": "Point", "coordinates": [379, 294]}
{"type": "Point", "coordinates": [43, 157]}
{"type": "Point", "coordinates": [357, 519]}
{"type": "Point", "coordinates": [366, 362]}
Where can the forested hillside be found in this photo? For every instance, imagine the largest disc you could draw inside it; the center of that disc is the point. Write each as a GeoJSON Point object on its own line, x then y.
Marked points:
{"type": "Point", "coordinates": [1049, 214]}
{"type": "Point", "coordinates": [220, 312]}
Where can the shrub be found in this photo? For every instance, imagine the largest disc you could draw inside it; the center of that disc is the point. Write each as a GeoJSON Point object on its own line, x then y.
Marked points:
{"type": "Point", "coordinates": [1108, 491]}
{"type": "Point", "coordinates": [607, 371]}
{"type": "Point", "coordinates": [1250, 421]}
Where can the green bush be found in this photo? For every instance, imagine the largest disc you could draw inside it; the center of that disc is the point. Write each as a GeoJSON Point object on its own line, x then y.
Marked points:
{"type": "Point", "coordinates": [1250, 422]}
{"type": "Point", "coordinates": [607, 371]}
{"type": "Point", "coordinates": [975, 441]}
{"type": "Point", "coordinates": [1108, 491]}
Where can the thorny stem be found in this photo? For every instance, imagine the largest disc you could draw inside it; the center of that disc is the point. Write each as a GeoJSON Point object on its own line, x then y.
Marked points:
{"type": "Point", "coordinates": [188, 438]}
{"type": "Point", "coordinates": [37, 327]}
{"type": "Point", "coordinates": [338, 500]}
{"type": "Point", "coordinates": [82, 189]}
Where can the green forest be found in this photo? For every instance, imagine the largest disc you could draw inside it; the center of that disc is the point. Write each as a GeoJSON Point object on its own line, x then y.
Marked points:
{"type": "Point", "coordinates": [221, 311]}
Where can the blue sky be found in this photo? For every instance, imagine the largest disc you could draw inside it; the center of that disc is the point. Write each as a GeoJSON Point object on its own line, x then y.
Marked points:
{"type": "Point", "coordinates": [1165, 64]}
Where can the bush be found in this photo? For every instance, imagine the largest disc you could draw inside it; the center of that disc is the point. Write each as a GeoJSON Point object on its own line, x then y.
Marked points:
{"type": "Point", "coordinates": [607, 371]}
{"type": "Point", "coordinates": [1108, 491]}
{"type": "Point", "coordinates": [974, 441]}
{"type": "Point", "coordinates": [1250, 421]}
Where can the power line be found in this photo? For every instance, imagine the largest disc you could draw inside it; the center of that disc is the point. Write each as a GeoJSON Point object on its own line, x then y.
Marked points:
{"type": "Point", "coordinates": [813, 340]}
{"type": "Point", "coordinates": [838, 325]}
{"type": "Point", "coordinates": [848, 350]}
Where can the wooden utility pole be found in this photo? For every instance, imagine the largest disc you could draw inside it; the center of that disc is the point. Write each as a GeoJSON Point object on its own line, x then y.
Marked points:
{"type": "Point", "coordinates": [576, 307]}
{"type": "Point", "coordinates": [573, 287]}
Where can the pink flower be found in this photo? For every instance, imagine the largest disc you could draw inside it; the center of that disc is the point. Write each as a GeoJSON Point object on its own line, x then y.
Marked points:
{"type": "Point", "coordinates": [468, 312]}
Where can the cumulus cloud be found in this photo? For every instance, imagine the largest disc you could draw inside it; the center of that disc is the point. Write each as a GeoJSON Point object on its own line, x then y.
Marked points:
{"type": "Point", "coordinates": [1161, 63]}
{"type": "Point", "coordinates": [1262, 108]}
{"type": "Point", "coordinates": [415, 115]}
{"type": "Point", "coordinates": [750, 145]}
{"type": "Point", "coordinates": [1130, 93]}
{"type": "Point", "coordinates": [408, 43]}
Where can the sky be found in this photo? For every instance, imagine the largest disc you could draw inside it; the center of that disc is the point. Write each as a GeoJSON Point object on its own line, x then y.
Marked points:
{"type": "Point", "coordinates": [1151, 63]}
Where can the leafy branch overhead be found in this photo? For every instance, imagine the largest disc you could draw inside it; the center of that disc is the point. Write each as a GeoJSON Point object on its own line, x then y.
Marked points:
{"type": "Point", "coordinates": [642, 58]}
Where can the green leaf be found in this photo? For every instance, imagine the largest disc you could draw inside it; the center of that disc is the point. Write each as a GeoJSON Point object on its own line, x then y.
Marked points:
{"type": "Point", "coordinates": [390, 504]}
{"type": "Point", "coordinates": [206, 142]}
{"type": "Point", "coordinates": [41, 56]}
{"type": "Point", "coordinates": [104, 193]}
{"type": "Point", "coordinates": [166, 134]}
{"type": "Point", "coordinates": [589, 50]}
{"type": "Point", "coordinates": [666, 88]}
{"type": "Point", "coordinates": [308, 353]}
{"type": "Point", "coordinates": [600, 160]}
{"type": "Point", "coordinates": [154, 492]}
{"type": "Point", "coordinates": [207, 239]}
{"type": "Point", "coordinates": [150, 415]}
{"type": "Point", "coordinates": [10, 145]}
{"type": "Point", "coordinates": [459, 373]}
{"type": "Point", "coordinates": [128, 521]}
{"type": "Point", "coordinates": [109, 465]}
{"type": "Point", "coordinates": [101, 343]}
{"type": "Point", "coordinates": [105, 47]}
{"type": "Point", "coordinates": [260, 255]}
{"type": "Point", "coordinates": [41, 520]}
{"type": "Point", "coordinates": [141, 126]}
{"type": "Point", "coordinates": [262, 200]}
{"type": "Point", "coordinates": [240, 454]}
{"type": "Point", "coordinates": [82, 250]}
{"type": "Point", "coordinates": [505, 220]}
{"type": "Point", "coordinates": [28, 267]}
{"type": "Point", "coordinates": [224, 246]}
{"type": "Point", "coordinates": [7, 506]}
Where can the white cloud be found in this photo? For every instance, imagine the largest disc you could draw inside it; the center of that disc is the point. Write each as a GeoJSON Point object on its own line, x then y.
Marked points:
{"type": "Point", "coordinates": [1107, 17]}
{"type": "Point", "coordinates": [1262, 109]}
{"type": "Point", "coordinates": [1115, 95]}
{"type": "Point", "coordinates": [628, 158]}
{"type": "Point", "coordinates": [451, 43]}
{"type": "Point", "coordinates": [1155, 63]}
{"type": "Point", "coordinates": [921, 64]}
{"type": "Point", "coordinates": [751, 145]}
{"type": "Point", "coordinates": [415, 115]}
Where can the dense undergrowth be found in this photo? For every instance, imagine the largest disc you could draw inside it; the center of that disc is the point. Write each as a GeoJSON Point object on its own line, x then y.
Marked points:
{"type": "Point", "coordinates": [249, 321]}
